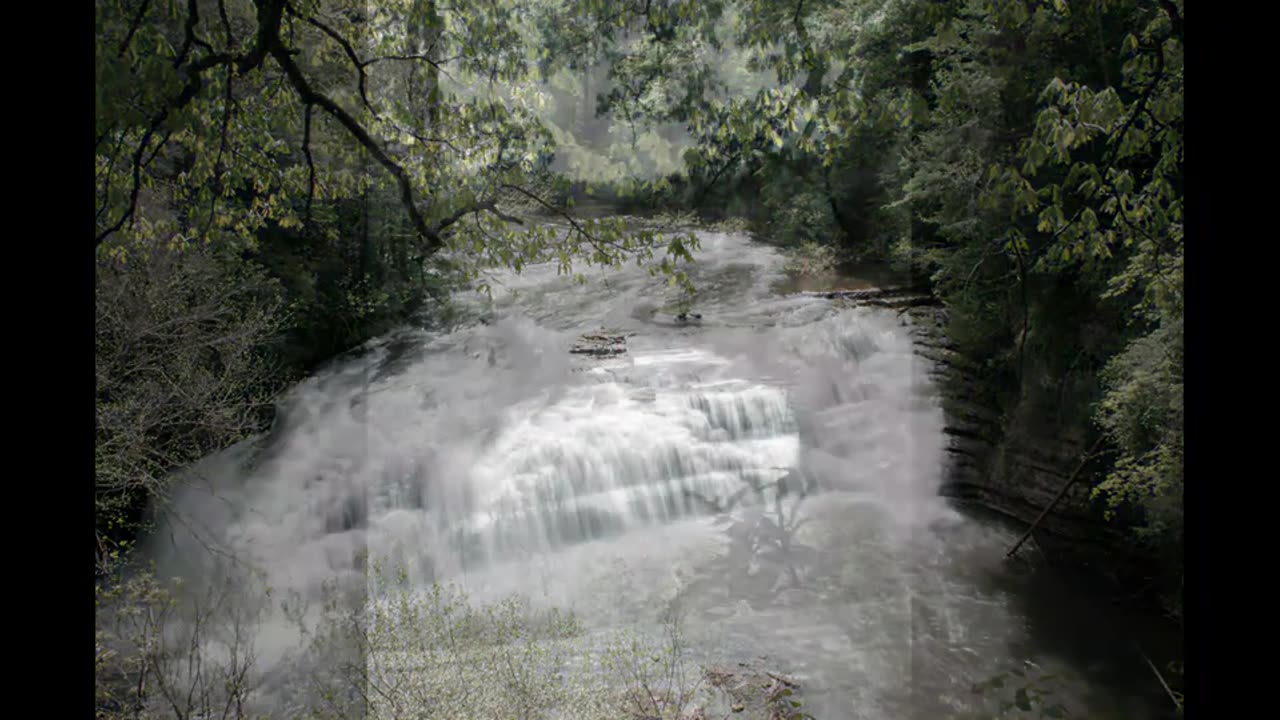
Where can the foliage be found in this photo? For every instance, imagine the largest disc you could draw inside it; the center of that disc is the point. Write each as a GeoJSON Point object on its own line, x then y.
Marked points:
{"type": "Point", "coordinates": [250, 118]}
{"type": "Point", "coordinates": [1142, 409]}
{"type": "Point", "coordinates": [166, 649]}
{"type": "Point", "coordinates": [1023, 693]}
{"type": "Point", "coordinates": [279, 181]}
{"type": "Point", "coordinates": [433, 654]}
{"type": "Point", "coordinates": [285, 180]}
{"type": "Point", "coordinates": [1025, 156]}
{"type": "Point", "coordinates": [812, 258]}
{"type": "Point", "coordinates": [182, 370]}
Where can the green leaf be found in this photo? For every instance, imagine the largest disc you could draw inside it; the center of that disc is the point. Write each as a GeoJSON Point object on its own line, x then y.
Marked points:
{"type": "Point", "coordinates": [1022, 700]}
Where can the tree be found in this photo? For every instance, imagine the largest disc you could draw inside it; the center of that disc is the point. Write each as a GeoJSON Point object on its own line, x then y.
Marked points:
{"type": "Point", "coordinates": [278, 181]}
{"type": "Point", "coordinates": [1024, 156]}
{"type": "Point", "coordinates": [237, 116]}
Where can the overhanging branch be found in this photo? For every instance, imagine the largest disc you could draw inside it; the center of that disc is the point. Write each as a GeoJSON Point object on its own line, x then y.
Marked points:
{"type": "Point", "coordinates": [309, 96]}
{"type": "Point", "coordinates": [488, 205]}
{"type": "Point", "coordinates": [362, 77]}
{"type": "Point", "coordinates": [270, 14]}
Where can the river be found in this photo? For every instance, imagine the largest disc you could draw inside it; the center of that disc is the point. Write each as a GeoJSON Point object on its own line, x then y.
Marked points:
{"type": "Point", "coordinates": [489, 455]}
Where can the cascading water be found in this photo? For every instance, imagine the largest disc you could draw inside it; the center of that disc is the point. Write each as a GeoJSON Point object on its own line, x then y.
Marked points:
{"type": "Point", "coordinates": [488, 455]}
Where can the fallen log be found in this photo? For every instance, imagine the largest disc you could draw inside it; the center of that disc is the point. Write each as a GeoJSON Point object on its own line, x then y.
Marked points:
{"type": "Point", "coordinates": [867, 293]}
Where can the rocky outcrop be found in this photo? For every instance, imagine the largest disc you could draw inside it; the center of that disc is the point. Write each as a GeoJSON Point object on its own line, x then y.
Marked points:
{"type": "Point", "coordinates": [1014, 456]}
{"type": "Point", "coordinates": [1010, 456]}
{"type": "Point", "coordinates": [600, 344]}
{"type": "Point", "coordinates": [752, 692]}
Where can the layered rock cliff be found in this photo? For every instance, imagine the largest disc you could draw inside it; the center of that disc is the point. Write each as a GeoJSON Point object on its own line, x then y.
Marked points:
{"type": "Point", "coordinates": [1014, 452]}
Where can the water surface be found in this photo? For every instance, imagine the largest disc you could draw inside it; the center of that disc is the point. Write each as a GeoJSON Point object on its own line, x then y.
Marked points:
{"type": "Point", "coordinates": [773, 467]}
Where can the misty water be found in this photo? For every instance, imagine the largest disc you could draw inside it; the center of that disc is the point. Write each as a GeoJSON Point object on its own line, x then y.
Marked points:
{"type": "Point", "coordinates": [773, 466]}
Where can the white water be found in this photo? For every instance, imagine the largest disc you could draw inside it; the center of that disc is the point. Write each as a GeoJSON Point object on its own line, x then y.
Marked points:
{"type": "Point", "coordinates": [492, 457]}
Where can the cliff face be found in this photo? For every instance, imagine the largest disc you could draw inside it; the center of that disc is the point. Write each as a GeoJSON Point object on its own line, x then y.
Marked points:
{"type": "Point", "coordinates": [1014, 456]}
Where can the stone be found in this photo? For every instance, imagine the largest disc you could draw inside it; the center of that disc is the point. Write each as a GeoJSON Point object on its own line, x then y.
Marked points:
{"type": "Point", "coordinates": [600, 344]}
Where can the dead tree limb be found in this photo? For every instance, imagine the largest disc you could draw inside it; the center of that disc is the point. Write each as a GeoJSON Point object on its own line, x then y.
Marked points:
{"type": "Point", "coordinates": [1061, 494]}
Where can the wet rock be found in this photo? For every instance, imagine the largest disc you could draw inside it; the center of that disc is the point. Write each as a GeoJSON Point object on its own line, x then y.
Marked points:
{"type": "Point", "coordinates": [600, 344]}
{"type": "Point", "coordinates": [752, 691]}
{"type": "Point", "coordinates": [1014, 459]}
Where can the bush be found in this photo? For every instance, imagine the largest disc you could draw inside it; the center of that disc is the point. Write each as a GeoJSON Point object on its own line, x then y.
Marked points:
{"type": "Point", "coordinates": [183, 368]}
{"type": "Point", "coordinates": [1142, 413]}
{"type": "Point", "coordinates": [388, 650]}
{"type": "Point", "coordinates": [812, 258]}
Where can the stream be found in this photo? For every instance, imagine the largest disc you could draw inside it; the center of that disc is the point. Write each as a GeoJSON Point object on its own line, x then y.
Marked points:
{"type": "Point", "coordinates": [773, 466]}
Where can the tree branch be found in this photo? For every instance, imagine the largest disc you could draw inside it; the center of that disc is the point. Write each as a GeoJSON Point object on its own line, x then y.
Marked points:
{"type": "Point", "coordinates": [228, 103]}
{"type": "Point", "coordinates": [133, 26]}
{"type": "Point", "coordinates": [194, 84]}
{"type": "Point", "coordinates": [351, 55]}
{"type": "Point", "coordinates": [270, 15]}
{"type": "Point", "coordinates": [597, 243]}
{"type": "Point", "coordinates": [476, 208]}
{"type": "Point", "coordinates": [188, 32]}
{"type": "Point", "coordinates": [409, 58]}
{"type": "Point", "coordinates": [226, 22]}
{"type": "Point", "coordinates": [1175, 18]}
{"type": "Point", "coordinates": [436, 64]}
{"type": "Point", "coordinates": [291, 70]}
{"type": "Point", "coordinates": [268, 42]}
{"type": "Point", "coordinates": [1117, 139]}
{"type": "Point", "coordinates": [1140, 106]}
{"type": "Point", "coordinates": [311, 166]}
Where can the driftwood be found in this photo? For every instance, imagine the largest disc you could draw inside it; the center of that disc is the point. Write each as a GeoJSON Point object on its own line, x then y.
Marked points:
{"type": "Point", "coordinates": [867, 293]}
{"type": "Point", "coordinates": [897, 297]}
{"type": "Point", "coordinates": [1174, 696]}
